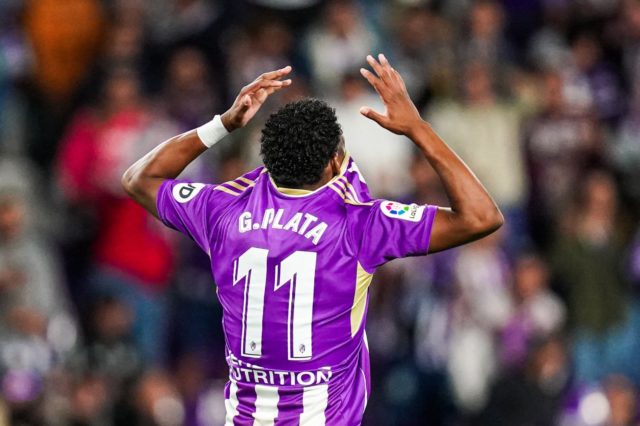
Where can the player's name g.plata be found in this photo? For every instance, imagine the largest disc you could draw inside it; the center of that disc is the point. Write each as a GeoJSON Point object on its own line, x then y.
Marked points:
{"type": "Point", "coordinates": [304, 224]}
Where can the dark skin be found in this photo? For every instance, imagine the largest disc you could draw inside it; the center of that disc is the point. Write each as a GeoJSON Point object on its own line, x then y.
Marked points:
{"type": "Point", "coordinates": [473, 213]}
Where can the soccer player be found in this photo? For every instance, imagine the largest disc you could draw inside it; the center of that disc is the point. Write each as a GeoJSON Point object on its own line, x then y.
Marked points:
{"type": "Point", "coordinates": [294, 244]}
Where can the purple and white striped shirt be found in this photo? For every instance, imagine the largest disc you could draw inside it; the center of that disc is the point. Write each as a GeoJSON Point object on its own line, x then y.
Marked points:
{"type": "Point", "coordinates": [292, 270]}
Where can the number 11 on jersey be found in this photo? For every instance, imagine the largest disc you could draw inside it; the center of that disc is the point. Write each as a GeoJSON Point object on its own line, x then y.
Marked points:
{"type": "Point", "coordinates": [298, 269]}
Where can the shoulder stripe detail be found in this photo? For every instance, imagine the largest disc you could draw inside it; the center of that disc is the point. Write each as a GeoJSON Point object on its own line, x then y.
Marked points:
{"type": "Point", "coordinates": [338, 191]}
{"type": "Point", "coordinates": [245, 180]}
{"type": "Point", "coordinates": [352, 191]}
{"type": "Point", "coordinates": [236, 185]}
{"type": "Point", "coordinates": [340, 183]}
{"type": "Point", "coordinates": [347, 196]}
{"type": "Point", "coordinates": [227, 190]}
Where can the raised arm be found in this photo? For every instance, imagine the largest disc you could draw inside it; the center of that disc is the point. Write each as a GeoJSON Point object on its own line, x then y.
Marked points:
{"type": "Point", "coordinates": [473, 213]}
{"type": "Point", "coordinates": [143, 179]}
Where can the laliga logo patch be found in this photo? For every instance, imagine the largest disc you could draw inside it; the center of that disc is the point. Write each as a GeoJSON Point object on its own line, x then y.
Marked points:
{"type": "Point", "coordinates": [410, 212]}
{"type": "Point", "coordinates": [184, 192]}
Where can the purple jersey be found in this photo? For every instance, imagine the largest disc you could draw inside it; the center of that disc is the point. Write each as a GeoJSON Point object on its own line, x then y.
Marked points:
{"type": "Point", "coordinates": [292, 269]}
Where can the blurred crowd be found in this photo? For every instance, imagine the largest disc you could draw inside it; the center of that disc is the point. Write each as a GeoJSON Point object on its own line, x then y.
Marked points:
{"type": "Point", "coordinates": [107, 318]}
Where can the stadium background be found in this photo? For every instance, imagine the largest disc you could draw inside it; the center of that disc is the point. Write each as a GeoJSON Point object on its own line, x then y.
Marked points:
{"type": "Point", "coordinates": [107, 318]}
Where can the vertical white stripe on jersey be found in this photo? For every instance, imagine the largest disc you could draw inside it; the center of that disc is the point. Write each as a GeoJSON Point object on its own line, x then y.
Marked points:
{"type": "Point", "coordinates": [266, 405]}
{"type": "Point", "coordinates": [231, 404]}
{"type": "Point", "coordinates": [314, 402]}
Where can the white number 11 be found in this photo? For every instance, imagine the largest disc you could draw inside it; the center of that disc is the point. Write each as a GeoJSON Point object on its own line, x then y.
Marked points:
{"type": "Point", "coordinates": [299, 270]}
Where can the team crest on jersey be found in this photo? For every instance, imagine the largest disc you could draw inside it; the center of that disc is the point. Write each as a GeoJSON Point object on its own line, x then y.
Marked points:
{"type": "Point", "coordinates": [184, 192]}
{"type": "Point", "coordinates": [410, 212]}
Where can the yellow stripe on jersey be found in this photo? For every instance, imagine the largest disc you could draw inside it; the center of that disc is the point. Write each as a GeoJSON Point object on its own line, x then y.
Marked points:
{"type": "Point", "coordinates": [338, 190]}
{"type": "Point", "coordinates": [363, 280]}
{"type": "Point", "coordinates": [340, 183]}
{"type": "Point", "coordinates": [238, 188]}
{"type": "Point", "coordinates": [347, 197]}
{"type": "Point", "coordinates": [236, 185]}
{"type": "Point", "coordinates": [245, 180]}
{"type": "Point", "coordinates": [227, 190]}
{"type": "Point", "coordinates": [351, 194]}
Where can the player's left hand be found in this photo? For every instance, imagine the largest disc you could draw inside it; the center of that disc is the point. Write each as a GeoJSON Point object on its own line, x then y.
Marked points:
{"type": "Point", "coordinates": [401, 115]}
{"type": "Point", "coordinates": [252, 96]}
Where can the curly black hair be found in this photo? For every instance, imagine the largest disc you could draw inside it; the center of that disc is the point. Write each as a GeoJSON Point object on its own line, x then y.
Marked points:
{"type": "Point", "coordinates": [298, 142]}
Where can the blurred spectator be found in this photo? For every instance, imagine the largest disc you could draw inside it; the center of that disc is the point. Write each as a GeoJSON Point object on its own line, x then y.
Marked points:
{"type": "Point", "coordinates": [188, 94]}
{"type": "Point", "coordinates": [485, 43]}
{"type": "Point", "coordinates": [481, 308]}
{"type": "Point", "coordinates": [630, 40]}
{"type": "Point", "coordinates": [175, 22]}
{"type": "Point", "coordinates": [124, 47]}
{"type": "Point", "coordinates": [560, 143]}
{"type": "Point", "coordinates": [374, 148]}
{"type": "Point", "coordinates": [65, 38]}
{"type": "Point", "coordinates": [109, 350]}
{"type": "Point", "coordinates": [132, 254]}
{"type": "Point", "coordinates": [157, 401]}
{"type": "Point", "coordinates": [484, 131]}
{"type": "Point", "coordinates": [548, 47]}
{"type": "Point", "coordinates": [31, 285]}
{"type": "Point", "coordinates": [531, 395]}
{"type": "Point", "coordinates": [591, 83]}
{"type": "Point", "coordinates": [338, 45]}
{"type": "Point", "coordinates": [15, 65]}
{"type": "Point", "coordinates": [89, 402]}
{"type": "Point", "coordinates": [625, 147]}
{"type": "Point", "coordinates": [36, 328]}
{"type": "Point", "coordinates": [588, 263]}
{"type": "Point", "coordinates": [264, 46]}
{"type": "Point", "coordinates": [537, 312]}
{"type": "Point", "coordinates": [424, 54]}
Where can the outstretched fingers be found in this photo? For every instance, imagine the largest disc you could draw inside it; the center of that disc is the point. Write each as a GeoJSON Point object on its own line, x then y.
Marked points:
{"type": "Point", "coordinates": [376, 66]}
{"type": "Point", "coordinates": [377, 83]}
{"type": "Point", "coordinates": [263, 84]}
{"type": "Point", "coordinates": [274, 75]}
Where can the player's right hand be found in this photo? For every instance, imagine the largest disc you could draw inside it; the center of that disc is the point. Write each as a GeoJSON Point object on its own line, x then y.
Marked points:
{"type": "Point", "coordinates": [252, 96]}
{"type": "Point", "coordinates": [401, 115]}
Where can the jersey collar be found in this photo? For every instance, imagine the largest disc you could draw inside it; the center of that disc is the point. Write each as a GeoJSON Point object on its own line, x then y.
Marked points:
{"type": "Point", "coordinates": [295, 192]}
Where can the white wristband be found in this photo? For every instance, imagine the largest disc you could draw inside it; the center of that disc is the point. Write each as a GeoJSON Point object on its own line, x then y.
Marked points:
{"type": "Point", "coordinates": [212, 132]}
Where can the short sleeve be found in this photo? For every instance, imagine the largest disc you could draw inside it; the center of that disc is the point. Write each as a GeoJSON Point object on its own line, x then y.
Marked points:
{"type": "Point", "coordinates": [393, 230]}
{"type": "Point", "coordinates": [188, 208]}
